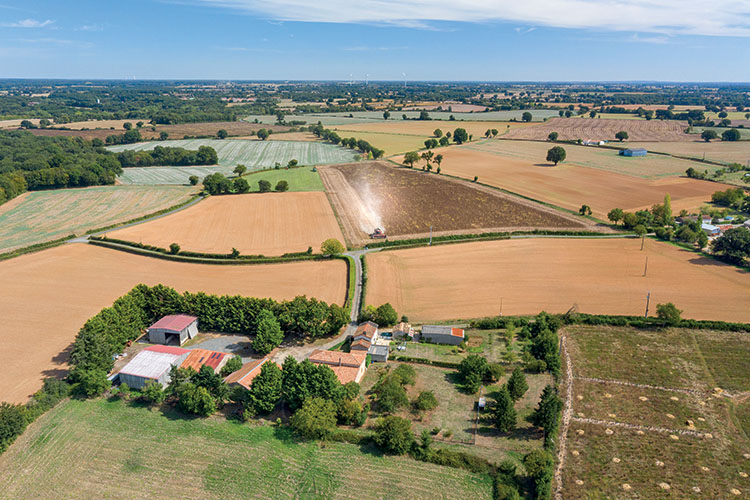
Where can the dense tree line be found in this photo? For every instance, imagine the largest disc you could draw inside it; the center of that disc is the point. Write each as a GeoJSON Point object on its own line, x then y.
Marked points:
{"type": "Point", "coordinates": [168, 156]}
{"type": "Point", "coordinates": [350, 142]}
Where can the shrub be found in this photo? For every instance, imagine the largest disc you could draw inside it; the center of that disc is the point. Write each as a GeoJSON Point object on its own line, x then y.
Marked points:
{"type": "Point", "coordinates": [404, 374]}
{"type": "Point", "coordinates": [669, 313]}
{"type": "Point", "coordinates": [13, 421]}
{"type": "Point", "coordinates": [316, 419]}
{"type": "Point", "coordinates": [174, 248]}
{"type": "Point", "coordinates": [240, 185]}
{"type": "Point", "coordinates": [234, 364]}
{"type": "Point", "coordinates": [264, 186]}
{"type": "Point", "coordinates": [495, 372]}
{"type": "Point", "coordinates": [426, 401]}
{"type": "Point", "coordinates": [282, 186]}
{"type": "Point", "coordinates": [89, 383]}
{"type": "Point", "coordinates": [153, 393]}
{"type": "Point", "coordinates": [385, 315]}
{"type": "Point", "coordinates": [193, 179]}
{"type": "Point", "coordinates": [390, 394]}
{"type": "Point", "coordinates": [535, 366]}
{"type": "Point", "coordinates": [351, 412]}
{"type": "Point", "coordinates": [393, 434]}
{"type": "Point", "coordinates": [332, 246]}
{"type": "Point", "coordinates": [471, 372]}
{"type": "Point", "coordinates": [195, 400]}
{"type": "Point", "coordinates": [540, 468]}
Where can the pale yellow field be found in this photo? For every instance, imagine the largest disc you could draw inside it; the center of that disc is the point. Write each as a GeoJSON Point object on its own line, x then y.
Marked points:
{"type": "Point", "coordinates": [526, 276]}
{"type": "Point", "coordinates": [425, 128]}
{"type": "Point", "coordinates": [17, 123]}
{"type": "Point", "coordinates": [117, 124]}
{"type": "Point", "coordinates": [728, 152]}
{"type": "Point", "coordinates": [254, 223]}
{"type": "Point", "coordinates": [48, 296]}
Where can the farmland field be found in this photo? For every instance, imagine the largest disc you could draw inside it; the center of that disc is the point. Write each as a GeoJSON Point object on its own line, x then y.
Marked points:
{"type": "Point", "coordinates": [571, 129]}
{"type": "Point", "coordinates": [727, 152]}
{"type": "Point", "coordinates": [102, 449]}
{"type": "Point", "coordinates": [67, 285]}
{"type": "Point", "coordinates": [442, 116]}
{"type": "Point", "coordinates": [602, 276]}
{"type": "Point", "coordinates": [182, 130]}
{"type": "Point", "coordinates": [676, 437]}
{"type": "Point", "coordinates": [268, 224]}
{"type": "Point", "coordinates": [39, 216]}
{"type": "Point", "coordinates": [407, 202]}
{"type": "Point", "coordinates": [569, 186]}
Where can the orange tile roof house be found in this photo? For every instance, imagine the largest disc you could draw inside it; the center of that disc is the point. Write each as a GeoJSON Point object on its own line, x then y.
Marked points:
{"type": "Point", "coordinates": [348, 366]}
{"type": "Point", "coordinates": [199, 357]}
{"type": "Point", "coordinates": [440, 334]}
{"type": "Point", "coordinates": [367, 330]}
{"type": "Point", "coordinates": [245, 375]}
{"type": "Point", "coordinates": [360, 345]}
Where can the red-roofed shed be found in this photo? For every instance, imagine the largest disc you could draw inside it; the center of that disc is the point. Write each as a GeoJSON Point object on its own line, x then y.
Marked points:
{"type": "Point", "coordinates": [174, 329]}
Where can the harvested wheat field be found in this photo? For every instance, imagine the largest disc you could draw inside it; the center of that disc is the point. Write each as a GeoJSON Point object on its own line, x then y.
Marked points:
{"type": "Point", "coordinates": [267, 223]}
{"type": "Point", "coordinates": [721, 151]}
{"type": "Point", "coordinates": [113, 125]}
{"type": "Point", "coordinates": [407, 202]}
{"type": "Point", "coordinates": [49, 295]}
{"type": "Point", "coordinates": [570, 186]}
{"type": "Point", "coordinates": [599, 276]}
{"type": "Point", "coordinates": [425, 129]}
{"type": "Point", "coordinates": [571, 129]}
{"type": "Point", "coordinates": [40, 216]}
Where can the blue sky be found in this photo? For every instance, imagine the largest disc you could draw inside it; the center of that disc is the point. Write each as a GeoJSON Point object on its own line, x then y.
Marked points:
{"type": "Point", "coordinates": [487, 40]}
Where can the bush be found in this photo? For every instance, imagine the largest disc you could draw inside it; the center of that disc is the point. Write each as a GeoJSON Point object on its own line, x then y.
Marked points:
{"type": "Point", "coordinates": [495, 372]}
{"type": "Point", "coordinates": [174, 248]}
{"type": "Point", "coordinates": [193, 179]}
{"type": "Point", "coordinates": [471, 372]}
{"type": "Point", "coordinates": [669, 313]}
{"type": "Point", "coordinates": [316, 419]}
{"type": "Point", "coordinates": [352, 412]}
{"type": "Point", "coordinates": [13, 421]}
{"type": "Point", "coordinates": [404, 374]}
{"type": "Point", "coordinates": [426, 401]}
{"type": "Point", "coordinates": [234, 364]}
{"type": "Point", "coordinates": [282, 186]}
{"type": "Point", "coordinates": [385, 315]}
{"type": "Point", "coordinates": [195, 400]}
{"type": "Point", "coordinates": [393, 434]}
{"type": "Point", "coordinates": [89, 383]}
{"type": "Point", "coordinates": [390, 394]}
{"type": "Point", "coordinates": [535, 366]}
{"type": "Point", "coordinates": [240, 185]}
{"type": "Point", "coordinates": [264, 186]}
{"type": "Point", "coordinates": [540, 468]}
{"type": "Point", "coordinates": [332, 246]}
{"type": "Point", "coordinates": [153, 393]}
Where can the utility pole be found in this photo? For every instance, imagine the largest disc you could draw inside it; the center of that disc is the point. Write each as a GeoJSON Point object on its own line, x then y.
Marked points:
{"type": "Point", "coordinates": [501, 306]}
{"type": "Point", "coordinates": [648, 300]}
{"type": "Point", "coordinates": [430, 235]}
{"type": "Point", "coordinates": [643, 241]}
{"type": "Point", "coordinates": [645, 269]}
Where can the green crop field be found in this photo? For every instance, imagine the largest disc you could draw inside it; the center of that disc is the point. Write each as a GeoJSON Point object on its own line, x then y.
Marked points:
{"type": "Point", "coordinates": [657, 414]}
{"type": "Point", "coordinates": [47, 215]}
{"type": "Point", "coordinates": [299, 179]}
{"type": "Point", "coordinates": [102, 449]}
{"type": "Point", "coordinates": [255, 155]}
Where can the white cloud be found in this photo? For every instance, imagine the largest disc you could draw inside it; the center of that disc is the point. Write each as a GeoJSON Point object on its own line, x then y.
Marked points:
{"type": "Point", "coordinates": [28, 23]}
{"type": "Point", "coordinates": [90, 27]}
{"type": "Point", "coordinates": [683, 17]}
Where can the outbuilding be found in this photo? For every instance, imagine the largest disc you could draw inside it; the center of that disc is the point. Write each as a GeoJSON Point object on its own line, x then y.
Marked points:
{"type": "Point", "coordinates": [633, 152]}
{"type": "Point", "coordinates": [152, 363]}
{"type": "Point", "coordinates": [443, 334]}
{"type": "Point", "coordinates": [710, 229]}
{"type": "Point", "coordinates": [245, 375]}
{"type": "Point", "coordinates": [378, 353]}
{"type": "Point", "coordinates": [174, 329]}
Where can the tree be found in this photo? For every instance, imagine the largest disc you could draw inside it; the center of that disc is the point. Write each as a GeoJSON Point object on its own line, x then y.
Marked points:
{"type": "Point", "coordinates": [556, 154]}
{"type": "Point", "coordinates": [404, 374]}
{"type": "Point", "coordinates": [667, 210]}
{"type": "Point", "coordinates": [616, 215]}
{"type": "Point", "coordinates": [584, 210]}
{"type": "Point", "coordinates": [390, 394]}
{"type": "Point", "coordinates": [89, 383]}
{"type": "Point", "coordinates": [44, 123]}
{"type": "Point", "coordinates": [216, 184]}
{"type": "Point", "coordinates": [264, 186]}
{"type": "Point", "coordinates": [731, 135]}
{"type": "Point", "coordinates": [494, 132]}
{"type": "Point", "coordinates": [526, 116]}
{"type": "Point", "coordinates": [222, 134]}
{"type": "Point", "coordinates": [282, 186]}
{"type": "Point", "coordinates": [263, 134]}
{"type": "Point", "coordinates": [139, 124]}
{"type": "Point", "coordinates": [13, 421]}
{"type": "Point", "coordinates": [214, 383]}
{"type": "Point", "coordinates": [174, 248]}
{"type": "Point", "coordinates": [517, 385]}
{"type": "Point", "coordinates": [268, 333]}
{"type": "Point", "coordinates": [193, 179]}
{"type": "Point", "coordinates": [547, 414]}
{"type": "Point", "coordinates": [640, 230]}
{"type": "Point", "coordinates": [460, 136]}
{"type": "Point", "coordinates": [411, 158]}
{"type": "Point", "coordinates": [427, 157]}
{"type": "Point", "coordinates": [426, 401]}
{"type": "Point", "coordinates": [163, 136]}
{"type": "Point", "coordinates": [621, 136]}
{"type": "Point", "coordinates": [471, 372]}
{"type": "Point", "coordinates": [503, 415]}
{"type": "Point", "coordinates": [194, 399]}
{"type": "Point", "coordinates": [734, 245]}
{"type": "Point", "coordinates": [234, 364]}
{"type": "Point", "coordinates": [153, 392]}
{"type": "Point", "coordinates": [332, 246]}
{"type": "Point", "coordinates": [316, 419]}
{"type": "Point", "coordinates": [444, 141]}
{"type": "Point", "coordinates": [437, 133]}
{"type": "Point", "coordinates": [292, 163]}
{"type": "Point", "coordinates": [723, 114]}
{"type": "Point", "coordinates": [240, 170]}
{"type": "Point", "coordinates": [386, 115]}
{"type": "Point", "coordinates": [553, 136]}
{"type": "Point", "coordinates": [241, 185]}
{"type": "Point", "coordinates": [127, 125]}
{"type": "Point", "coordinates": [592, 113]}
{"type": "Point", "coordinates": [431, 143]}
{"type": "Point", "coordinates": [669, 313]}
{"type": "Point", "coordinates": [393, 434]}
{"type": "Point", "coordinates": [708, 134]}
{"type": "Point", "coordinates": [539, 466]}
{"type": "Point", "coordinates": [265, 389]}
{"type": "Point", "coordinates": [438, 160]}
{"type": "Point", "coordinates": [385, 315]}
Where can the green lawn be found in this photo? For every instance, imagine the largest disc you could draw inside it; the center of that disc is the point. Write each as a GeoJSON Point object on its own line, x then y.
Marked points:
{"type": "Point", "coordinates": [101, 449]}
{"type": "Point", "coordinates": [488, 343]}
{"type": "Point", "coordinates": [299, 179]}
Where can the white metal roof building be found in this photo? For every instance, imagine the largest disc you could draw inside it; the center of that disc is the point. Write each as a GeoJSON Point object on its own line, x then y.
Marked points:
{"type": "Point", "coordinates": [152, 363]}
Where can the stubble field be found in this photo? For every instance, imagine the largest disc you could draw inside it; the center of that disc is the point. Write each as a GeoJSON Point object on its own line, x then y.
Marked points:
{"type": "Point", "coordinates": [110, 449]}
{"type": "Point", "coordinates": [571, 129]}
{"type": "Point", "coordinates": [267, 224]}
{"type": "Point", "coordinates": [49, 295]}
{"type": "Point", "coordinates": [570, 186]}
{"type": "Point", "coordinates": [602, 276]}
{"type": "Point", "coordinates": [721, 151]}
{"type": "Point", "coordinates": [407, 202]}
{"type": "Point", "coordinates": [39, 216]}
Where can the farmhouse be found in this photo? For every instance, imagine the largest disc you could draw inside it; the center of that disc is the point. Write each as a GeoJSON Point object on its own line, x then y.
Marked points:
{"type": "Point", "coordinates": [440, 334]}
{"type": "Point", "coordinates": [245, 375]}
{"type": "Point", "coordinates": [403, 330]}
{"type": "Point", "coordinates": [200, 357]}
{"type": "Point", "coordinates": [173, 329]}
{"type": "Point", "coordinates": [367, 331]}
{"type": "Point", "coordinates": [152, 363]}
{"type": "Point", "coordinates": [360, 345]}
{"type": "Point", "coordinates": [633, 152]}
{"type": "Point", "coordinates": [348, 366]}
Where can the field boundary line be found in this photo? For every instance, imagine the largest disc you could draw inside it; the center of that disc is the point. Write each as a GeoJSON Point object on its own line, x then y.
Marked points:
{"type": "Point", "coordinates": [642, 386]}
{"type": "Point", "coordinates": [566, 416]}
{"type": "Point", "coordinates": [636, 427]}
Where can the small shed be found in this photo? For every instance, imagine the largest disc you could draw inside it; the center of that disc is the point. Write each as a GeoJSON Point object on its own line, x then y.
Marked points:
{"type": "Point", "coordinates": [633, 152]}
{"type": "Point", "coordinates": [378, 353]}
{"type": "Point", "coordinates": [174, 329]}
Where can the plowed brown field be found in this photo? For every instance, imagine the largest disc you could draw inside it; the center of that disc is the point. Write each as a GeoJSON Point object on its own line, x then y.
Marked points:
{"type": "Point", "coordinates": [571, 129]}
{"type": "Point", "coordinates": [570, 186]}
{"type": "Point", "coordinates": [600, 276]}
{"type": "Point", "coordinates": [407, 202]}
{"type": "Point", "coordinates": [48, 296]}
{"type": "Point", "coordinates": [268, 224]}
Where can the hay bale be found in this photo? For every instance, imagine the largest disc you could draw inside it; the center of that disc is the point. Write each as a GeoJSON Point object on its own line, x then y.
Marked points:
{"type": "Point", "coordinates": [609, 432]}
{"type": "Point", "coordinates": [743, 474]}
{"type": "Point", "coordinates": [746, 455]}
{"type": "Point", "coordinates": [579, 397]}
{"type": "Point", "coordinates": [579, 482]}
{"type": "Point", "coordinates": [669, 415]}
{"type": "Point", "coordinates": [626, 487]}
{"type": "Point", "coordinates": [643, 398]}
{"type": "Point", "coordinates": [696, 489]}
{"type": "Point", "coordinates": [735, 491]}
{"type": "Point", "coordinates": [580, 432]}
{"type": "Point", "coordinates": [674, 437]}
{"type": "Point", "coordinates": [674, 398]}
{"type": "Point", "coordinates": [612, 415]}
{"type": "Point", "coordinates": [704, 468]}
{"type": "Point", "coordinates": [575, 453]}
{"type": "Point", "coordinates": [690, 424]}
{"type": "Point", "coordinates": [616, 460]}
{"type": "Point", "coordinates": [664, 486]}
{"type": "Point", "coordinates": [607, 395]}
{"type": "Point", "coordinates": [640, 432]}
{"type": "Point", "coordinates": [659, 463]}
{"type": "Point", "coordinates": [581, 415]}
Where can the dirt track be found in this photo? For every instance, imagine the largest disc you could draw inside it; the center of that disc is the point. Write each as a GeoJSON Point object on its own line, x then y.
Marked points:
{"type": "Point", "coordinates": [602, 276]}
{"type": "Point", "coordinates": [48, 296]}
{"type": "Point", "coordinates": [268, 224]}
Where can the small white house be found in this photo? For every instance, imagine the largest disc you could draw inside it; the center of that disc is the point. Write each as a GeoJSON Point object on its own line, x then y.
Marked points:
{"type": "Point", "coordinates": [174, 329]}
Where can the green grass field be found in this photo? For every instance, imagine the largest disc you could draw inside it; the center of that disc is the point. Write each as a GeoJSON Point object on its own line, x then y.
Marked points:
{"type": "Point", "coordinates": [255, 155]}
{"type": "Point", "coordinates": [101, 449]}
{"type": "Point", "coordinates": [299, 179]}
{"type": "Point", "coordinates": [47, 215]}
{"type": "Point", "coordinates": [679, 444]}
